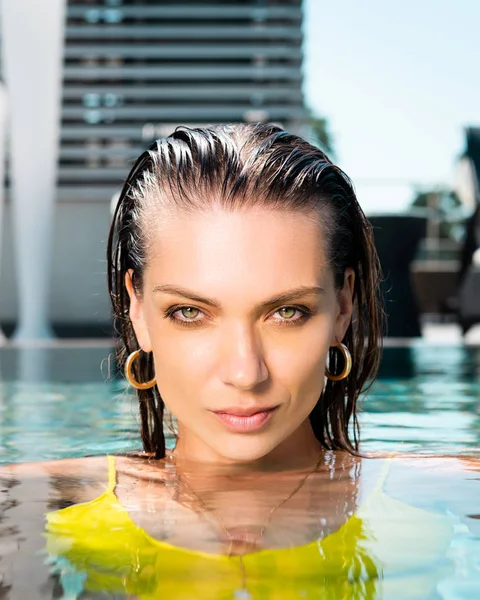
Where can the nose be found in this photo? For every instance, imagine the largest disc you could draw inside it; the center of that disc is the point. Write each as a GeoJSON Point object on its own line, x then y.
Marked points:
{"type": "Point", "coordinates": [242, 362]}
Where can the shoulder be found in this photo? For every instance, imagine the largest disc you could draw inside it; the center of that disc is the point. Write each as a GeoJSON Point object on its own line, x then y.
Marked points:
{"type": "Point", "coordinates": [425, 467]}
{"type": "Point", "coordinates": [140, 467]}
{"type": "Point", "coordinates": [57, 482]}
{"type": "Point", "coordinates": [89, 465]}
{"type": "Point", "coordinates": [442, 483]}
{"type": "Point", "coordinates": [73, 467]}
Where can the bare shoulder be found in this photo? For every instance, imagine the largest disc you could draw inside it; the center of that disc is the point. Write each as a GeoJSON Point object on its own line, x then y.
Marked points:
{"type": "Point", "coordinates": [431, 462]}
{"type": "Point", "coordinates": [141, 468]}
{"type": "Point", "coordinates": [68, 467]}
{"type": "Point", "coordinates": [446, 473]}
{"type": "Point", "coordinates": [62, 483]}
{"type": "Point", "coordinates": [58, 483]}
{"type": "Point", "coordinates": [437, 483]}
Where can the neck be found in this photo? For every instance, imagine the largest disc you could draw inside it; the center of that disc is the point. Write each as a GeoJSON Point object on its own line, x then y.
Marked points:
{"type": "Point", "coordinates": [299, 451]}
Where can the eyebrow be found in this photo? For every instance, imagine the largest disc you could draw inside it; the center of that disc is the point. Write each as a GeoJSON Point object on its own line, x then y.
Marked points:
{"type": "Point", "coordinates": [286, 296]}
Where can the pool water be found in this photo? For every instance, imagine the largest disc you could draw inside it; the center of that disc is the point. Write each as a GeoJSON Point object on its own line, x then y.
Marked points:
{"type": "Point", "coordinates": [61, 403]}
{"type": "Point", "coordinates": [58, 403]}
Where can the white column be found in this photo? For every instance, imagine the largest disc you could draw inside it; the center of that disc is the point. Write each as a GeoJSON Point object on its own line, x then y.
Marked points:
{"type": "Point", "coordinates": [32, 48]}
{"type": "Point", "coordinates": [3, 141]}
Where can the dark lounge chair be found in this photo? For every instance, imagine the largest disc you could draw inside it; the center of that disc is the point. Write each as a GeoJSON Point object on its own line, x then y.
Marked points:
{"type": "Point", "coordinates": [397, 238]}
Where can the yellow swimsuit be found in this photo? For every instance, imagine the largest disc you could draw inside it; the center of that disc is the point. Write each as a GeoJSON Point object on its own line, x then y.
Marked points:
{"type": "Point", "coordinates": [97, 547]}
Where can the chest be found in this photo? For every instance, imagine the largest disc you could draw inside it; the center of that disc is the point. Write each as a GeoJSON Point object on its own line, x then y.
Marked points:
{"type": "Point", "coordinates": [234, 521]}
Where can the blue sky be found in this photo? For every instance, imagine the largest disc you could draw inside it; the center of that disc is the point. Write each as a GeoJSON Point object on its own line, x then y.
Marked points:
{"type": "Point", "coordinates": [398, 82]}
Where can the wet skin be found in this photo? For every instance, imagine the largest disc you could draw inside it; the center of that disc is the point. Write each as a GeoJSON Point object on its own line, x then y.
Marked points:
{"type": "Point", "coordinates": [227, 333]}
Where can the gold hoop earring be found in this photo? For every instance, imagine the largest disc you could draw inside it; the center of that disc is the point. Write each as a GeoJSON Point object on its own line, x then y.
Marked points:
{"type": "Point", "coordinates": [129, 375]}
{"type": "Point", "coordinates": [347, 367]}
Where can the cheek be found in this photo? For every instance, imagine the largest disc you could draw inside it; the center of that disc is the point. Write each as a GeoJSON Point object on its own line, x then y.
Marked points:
{"type": "Point", "coordinates": [300, 364]}
{"type": "Point", "coordinates": [184, 362]}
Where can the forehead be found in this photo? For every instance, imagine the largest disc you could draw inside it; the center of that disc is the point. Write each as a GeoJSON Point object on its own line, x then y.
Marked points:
{"type": "Point", "coordinates": [261, 249]}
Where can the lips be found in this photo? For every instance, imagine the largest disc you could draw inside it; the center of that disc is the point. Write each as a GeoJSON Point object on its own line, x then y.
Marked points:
{"type": "Point", "coordinates": [245, 420]}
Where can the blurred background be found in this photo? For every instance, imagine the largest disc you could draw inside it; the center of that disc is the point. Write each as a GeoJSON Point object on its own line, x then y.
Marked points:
{"type": "Point", "coordinates": [389, 90]}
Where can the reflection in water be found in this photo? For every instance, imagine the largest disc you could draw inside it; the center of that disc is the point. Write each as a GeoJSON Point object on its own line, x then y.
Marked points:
{"type": "Point", "coordinates": [397, 363]}
{"type": "Point", "coordinates": [103, 548]}
{"type": "Point", "coordinates": [10, 534]}
{"type": "Point", "coordinates": [399, 528]}
{"type": "Point", "coordinates": [362, 554]}
{"type": "Point", "coordinates": [20, 542]}
{"type": "Point", "coordinates": [33, 364]}
{"type": "Point", "coordinates": [460, 363]}
{"type": "Point", "coordinates": [427, 399]}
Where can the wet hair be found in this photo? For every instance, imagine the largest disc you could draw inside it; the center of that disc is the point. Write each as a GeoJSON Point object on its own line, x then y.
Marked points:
{"type": "Point", "coordinates": [238, 167]}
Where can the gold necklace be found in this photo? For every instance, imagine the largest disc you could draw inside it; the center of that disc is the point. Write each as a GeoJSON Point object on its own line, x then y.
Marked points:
{"type": "Point", "coordinates": [243, 592]}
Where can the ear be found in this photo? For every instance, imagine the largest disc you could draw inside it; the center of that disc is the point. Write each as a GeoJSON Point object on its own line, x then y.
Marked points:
{"type": "Point", "coordinates": [344, 306]}
{"type": "Point", "coordinates": [136, 314]}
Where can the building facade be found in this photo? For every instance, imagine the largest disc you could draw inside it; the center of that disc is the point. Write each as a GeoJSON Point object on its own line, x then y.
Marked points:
{"type": "Point", "coordinates": [133, 71]}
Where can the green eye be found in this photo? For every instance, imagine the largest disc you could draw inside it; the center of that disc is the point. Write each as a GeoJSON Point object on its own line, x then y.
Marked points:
{"type": "Point", "coordinates": [189, 312]}
{"type": "Point", "coordinates": [292, 315]}
{"type": "Point", "coordinates": [288, 312]}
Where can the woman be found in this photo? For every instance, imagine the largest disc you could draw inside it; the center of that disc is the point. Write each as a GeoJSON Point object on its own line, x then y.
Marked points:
{"type": "Point", "coordinates": [258, 219]}
{"type": "Point", "coordinates": [244, 281]}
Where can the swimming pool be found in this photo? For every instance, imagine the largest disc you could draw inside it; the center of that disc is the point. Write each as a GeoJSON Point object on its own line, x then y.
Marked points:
{"type": "Point", "coordinates": [69, 402]}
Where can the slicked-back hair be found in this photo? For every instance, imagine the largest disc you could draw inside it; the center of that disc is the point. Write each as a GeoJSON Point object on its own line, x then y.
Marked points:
{"type": "Point", "coordinates": [241, 167]}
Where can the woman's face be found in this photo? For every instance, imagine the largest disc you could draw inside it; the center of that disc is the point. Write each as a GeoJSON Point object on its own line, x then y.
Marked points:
{"type": "Point", "coordinates": [239, 310]}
